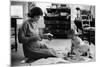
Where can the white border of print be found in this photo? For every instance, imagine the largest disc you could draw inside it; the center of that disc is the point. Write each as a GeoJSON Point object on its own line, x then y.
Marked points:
{"type": "Point", "coordinates": [5, 32]}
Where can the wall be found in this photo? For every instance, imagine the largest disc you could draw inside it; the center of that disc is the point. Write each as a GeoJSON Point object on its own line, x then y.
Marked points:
{"type": "Point", "coordinates": [25, 11]}
{"type": "Point", "coordinates": [25, 8]}
{"type": "Point", "coordinates": [43, 6]}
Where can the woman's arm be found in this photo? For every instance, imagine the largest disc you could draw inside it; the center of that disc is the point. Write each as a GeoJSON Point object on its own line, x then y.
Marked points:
{"type": "Point", "coordinates": [46, 36]}
{"type": "Point", "coordinates": [23, 39]}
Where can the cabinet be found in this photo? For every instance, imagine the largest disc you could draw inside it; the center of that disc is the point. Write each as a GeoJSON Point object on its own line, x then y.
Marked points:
{"type": "Point", "coordinates": [58, 21]}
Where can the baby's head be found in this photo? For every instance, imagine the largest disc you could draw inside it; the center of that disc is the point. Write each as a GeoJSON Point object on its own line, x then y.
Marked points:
{"type": "Point", "coordinates": [71, 33]}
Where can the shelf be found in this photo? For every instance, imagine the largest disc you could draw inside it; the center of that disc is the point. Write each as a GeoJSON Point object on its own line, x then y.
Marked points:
{"type": "Point", "coordinates": [86, 20]}
{"type": "Point", "coordinates": [59, 18]}
{"type": "Point", "coordinates": [58, 21]}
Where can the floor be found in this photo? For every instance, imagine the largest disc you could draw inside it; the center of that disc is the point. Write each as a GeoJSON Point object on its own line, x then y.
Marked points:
{"type": "Point", "coordinates": [57, 44]}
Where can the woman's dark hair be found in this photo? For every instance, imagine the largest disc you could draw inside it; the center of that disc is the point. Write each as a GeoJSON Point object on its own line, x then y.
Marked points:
{"type": "Point", "coordinates": [35, 11]}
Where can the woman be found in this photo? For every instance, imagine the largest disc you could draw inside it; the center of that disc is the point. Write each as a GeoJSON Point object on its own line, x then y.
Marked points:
{"type": "Point", "coordinates": [30, 37]}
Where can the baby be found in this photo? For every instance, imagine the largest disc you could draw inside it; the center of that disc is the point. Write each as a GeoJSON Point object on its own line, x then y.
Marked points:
{"type": "Point", "coordinates": [79, 48]}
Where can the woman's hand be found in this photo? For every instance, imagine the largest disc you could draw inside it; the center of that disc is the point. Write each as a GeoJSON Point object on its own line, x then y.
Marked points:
{"type": "Point", "coordinates": [47, 36]}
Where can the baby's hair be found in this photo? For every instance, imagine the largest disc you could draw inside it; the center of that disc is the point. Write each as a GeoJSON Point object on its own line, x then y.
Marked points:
{"type": "Point", "coordinates": [71, 32]}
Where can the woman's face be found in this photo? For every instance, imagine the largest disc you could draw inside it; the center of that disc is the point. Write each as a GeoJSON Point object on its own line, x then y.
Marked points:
{"type": "Point", "coordinates": [36, 18]}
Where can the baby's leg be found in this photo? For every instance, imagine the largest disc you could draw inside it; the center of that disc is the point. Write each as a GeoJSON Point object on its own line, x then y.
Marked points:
{"type": "Point", "coordinates": [77, 54]}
